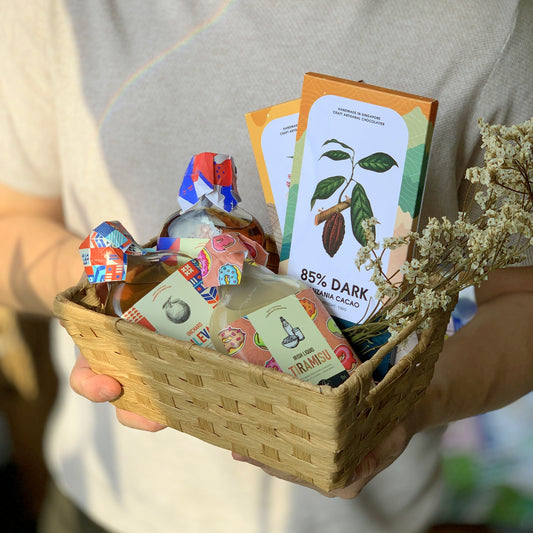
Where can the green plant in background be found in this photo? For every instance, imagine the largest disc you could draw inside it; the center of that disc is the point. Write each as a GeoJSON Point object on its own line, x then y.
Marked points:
{"type": "Point", "coordinates": [359, 204]}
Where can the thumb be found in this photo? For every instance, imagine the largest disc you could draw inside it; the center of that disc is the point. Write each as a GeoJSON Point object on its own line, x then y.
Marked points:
{"type": "Point", "coordinates": [95, 387]}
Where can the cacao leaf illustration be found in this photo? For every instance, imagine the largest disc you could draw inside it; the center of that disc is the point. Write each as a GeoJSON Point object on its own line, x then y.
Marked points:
{"type": "Point", "coordinates": [336, 155]}
{"type": "Point", "coordinates": [326, 187]}
{"type": "Point", "coordinates": [378, 162]}
{"type": "Point", "coordinates": [337, 142]}
{"type": "Point", "coordinates": [333, 233]}
{"type": "Point", "coordinates": [360, 209]}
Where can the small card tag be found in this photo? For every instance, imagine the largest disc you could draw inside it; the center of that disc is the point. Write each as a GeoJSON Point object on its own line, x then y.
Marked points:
{"type": "Point", "coordinates": [179, 307]}
{"type": "Point", "coordinates": [294, 335]}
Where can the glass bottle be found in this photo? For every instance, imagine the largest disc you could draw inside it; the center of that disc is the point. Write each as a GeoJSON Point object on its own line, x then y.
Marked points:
{"type": "Point", "coordinates": [258, 287]}
{"type": "Point", "coordinates": [144, 273]}
{"type": "Point", "coordinates": [205, 220]}
{"type": "Point", "coordinates": [233, 331]}
{"type": "Point", "coordinates": [208, 200]}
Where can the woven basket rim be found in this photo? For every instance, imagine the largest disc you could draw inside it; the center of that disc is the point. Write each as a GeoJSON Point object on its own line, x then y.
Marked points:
{"type": "Point", "coordinates": [65, 305]}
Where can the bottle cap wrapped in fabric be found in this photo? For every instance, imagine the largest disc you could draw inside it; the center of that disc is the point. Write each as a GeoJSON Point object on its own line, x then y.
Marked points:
{"type": "Point", "coordinates": [208, 201]}
{"type": "Point", "coordinates": [105, 252]}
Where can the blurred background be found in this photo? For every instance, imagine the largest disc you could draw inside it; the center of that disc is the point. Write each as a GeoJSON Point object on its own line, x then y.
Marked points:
{"type": "Point", "coordinates": [487, 460]}
{"type": "Point", "coordinates": [27, 391]}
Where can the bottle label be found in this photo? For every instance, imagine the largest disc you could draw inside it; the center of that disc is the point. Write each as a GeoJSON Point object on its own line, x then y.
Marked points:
{"type": "Point", "coordinates": [295, 335]}
{"type": "Point", "coordinates": [179, 307]}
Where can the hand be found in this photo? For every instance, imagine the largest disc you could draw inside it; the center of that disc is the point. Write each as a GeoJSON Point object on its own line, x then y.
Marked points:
{"type": "Point", "coordinates": [374, 462]}
{"type": "Point", "coordinates": [101, 388]}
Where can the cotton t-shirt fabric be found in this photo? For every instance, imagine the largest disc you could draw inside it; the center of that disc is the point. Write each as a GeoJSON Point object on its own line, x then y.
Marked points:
{"type": "Point", "coordinates": [105, 102]}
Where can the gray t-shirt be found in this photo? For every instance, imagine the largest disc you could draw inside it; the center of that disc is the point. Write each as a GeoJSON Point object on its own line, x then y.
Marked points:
{"type": "Point", "coordinates": [106, 102]}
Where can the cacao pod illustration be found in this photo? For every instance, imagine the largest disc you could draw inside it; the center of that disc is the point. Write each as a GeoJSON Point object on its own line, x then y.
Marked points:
{"type": "Point", "coordinates": [333, 233]}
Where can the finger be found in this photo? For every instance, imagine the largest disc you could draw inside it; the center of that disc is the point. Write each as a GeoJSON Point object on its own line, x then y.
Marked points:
{"type": "Point", "coordinates": [95, 387]}
{"type": "Point", "coordinates": [102, 388]}
{"type": "Point", "coordinates": [365, 471]}
{"type": "Point", "coordinates": [244, 459]}
{"type": "Point", "coordinates": [135, 421]}
{"type": "Point", "coordinates": [376, 461]}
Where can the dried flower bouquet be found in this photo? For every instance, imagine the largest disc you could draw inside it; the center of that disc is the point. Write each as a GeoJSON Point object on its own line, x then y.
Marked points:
{"type": "Point", "coordinates": [493, 232]}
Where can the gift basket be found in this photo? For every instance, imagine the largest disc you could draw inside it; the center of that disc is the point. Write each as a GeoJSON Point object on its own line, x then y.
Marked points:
{"type": "Point", "coordinates": [317, 432]}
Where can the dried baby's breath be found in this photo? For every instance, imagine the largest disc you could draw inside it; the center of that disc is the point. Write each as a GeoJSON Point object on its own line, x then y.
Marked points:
{"type": "Point", "coordinates": [450, 256]}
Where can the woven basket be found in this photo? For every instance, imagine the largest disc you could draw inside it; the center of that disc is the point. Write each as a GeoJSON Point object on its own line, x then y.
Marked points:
{"type": "Point", "coordinates": [316, 433]}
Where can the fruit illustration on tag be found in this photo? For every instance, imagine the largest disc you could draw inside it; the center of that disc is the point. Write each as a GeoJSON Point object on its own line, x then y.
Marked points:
{"type": "Point", "coordinates": [177, 310]}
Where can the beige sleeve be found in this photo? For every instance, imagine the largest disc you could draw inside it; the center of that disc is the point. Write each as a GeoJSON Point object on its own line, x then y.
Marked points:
{"type": "Point", "coordinates": [28, 134]}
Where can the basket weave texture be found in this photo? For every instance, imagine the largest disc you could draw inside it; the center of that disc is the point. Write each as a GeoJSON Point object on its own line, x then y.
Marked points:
{"type": "Point", "coordinates": [316, 433]}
